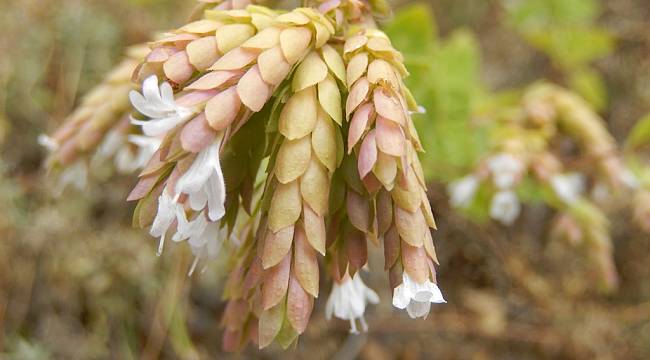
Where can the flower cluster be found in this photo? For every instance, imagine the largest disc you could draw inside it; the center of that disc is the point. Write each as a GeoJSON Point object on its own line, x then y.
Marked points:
{"type": "Point", "coordinates": [575, 179]}
{"type": "Point", "coordinates": [286, 139]}
{"type": "Point", "coordinates": [99, 131]}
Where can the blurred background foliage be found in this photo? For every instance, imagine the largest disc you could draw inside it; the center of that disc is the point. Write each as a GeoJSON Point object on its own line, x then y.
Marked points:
{"type": "Point", "coordinates": [76, 282]}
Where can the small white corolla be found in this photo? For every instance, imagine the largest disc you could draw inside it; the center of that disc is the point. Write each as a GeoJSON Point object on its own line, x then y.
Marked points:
{"type": "Point", "coordinates": [416, 298]}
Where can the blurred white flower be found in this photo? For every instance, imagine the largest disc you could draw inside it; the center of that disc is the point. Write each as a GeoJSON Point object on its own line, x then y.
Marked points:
{"type": "Point", "coordinates": [75, 175]}
{"type": "Point", "coordinates": [48, 143]}
{"type": "Point", "coordinates": [348, 301]}
{"type": "Point", "coordinates": [113, 141]}
{"type": "Point", "coordinates": [506, 170]}
{"type": "Point", "coordinates": [127, 161]}
{"type": "Point", "coordinates": [629, 179]}
{"type": "Point", "coordinates": [157, 103]}
{"type": "Point", "coordinates": [462, 191]}
{"type": "Point", "coordinates": [568, 187]}
{"type": "Point", "coordinates": [505, 207]}
{"type": "Point", "coordinates": [416, 298]}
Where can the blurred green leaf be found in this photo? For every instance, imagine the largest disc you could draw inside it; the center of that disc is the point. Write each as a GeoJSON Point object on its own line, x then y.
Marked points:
{"type": "Point", "coordinates": [564, 30]}
{"type": "Point", "coordinates": [571, 47]}
{"type": "Point", "coordinates": [530, 191]}
{"type": "Point", "coordinates": [591, 86]}
{"type": "Point", "coordinates": [446, 86]}
{"type": "Point", "coordinates": [445, 81]}
{"type": "Point", "coordinates": [413, 30]}
{"type": "Point", "coordinates": [529, 15]}
{"type": "Point", "coordinates": [640, 134]}
{"type": "Point", "coordinates": [479, 209]}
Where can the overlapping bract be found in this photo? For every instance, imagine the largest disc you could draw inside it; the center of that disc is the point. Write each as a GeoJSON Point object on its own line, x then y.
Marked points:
{"type": "Point", "coordinates": [383, 137]}
{"type": "Point", "coordinates": [98, 130]}
{"type": "Point", "coordinates": [223, 97]}
{"type": "Point", "coordinates": [306, 157]}
{"type": "Point", "coordinates": [328, 114]}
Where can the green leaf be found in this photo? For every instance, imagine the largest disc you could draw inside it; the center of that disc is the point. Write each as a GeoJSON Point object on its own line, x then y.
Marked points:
{"type": "Point", "coordinates": [413, 29]}
{"type": "Point", "coordinates": [530, 191]}
{"type": "Point", "coordinates": [447, 89]}
{"type": "Point", "coordinates": [591, 86]}
{"type": "Point", "coordinates": [479, 209]}
{"type": "Point", "coordinates": [640, 134]}
{"type": "Point", "coordinates": [528, 15]}
{"type": "Point", "coordinates": [570, 47]}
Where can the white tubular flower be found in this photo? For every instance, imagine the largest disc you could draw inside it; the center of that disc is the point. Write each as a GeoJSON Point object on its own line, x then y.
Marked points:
{"type": "Point", "coordinates": [127, 162]}
{"type": "Point", "coordinates": [75, 175]}
{"type": "Point", "coordinates": [167, 213]}
{"type": "Point", "coordinates": [204, 183]}
{"type": "Point", "coordinates": [348, 301]}
{"type": "Point", "coordinates": [506, 170]}
{"type": "Point", "coordinates": [416, 298]}
{"type": "Point", "coordinates": [208, 245]}
{"type": "Point", "coordinates": [505, 207]}
{"type": "Point", "coordinates": [126, 158]}
{"type": "Point", "coordinates": [462, 191]}
{"type": "Point", "coordinates": [113, 141]}
{"type": "Point", "coordinates": [568, 187]}
{"type": "Point", "coordinates": [157, 103]}
{"type": "Point", "coordinates": [205, 238]}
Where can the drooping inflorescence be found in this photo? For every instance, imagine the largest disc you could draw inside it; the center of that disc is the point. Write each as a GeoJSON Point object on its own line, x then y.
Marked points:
{"type": "Point", "coordinates": [99, 130]}
{"type": "Point", "coordinates": [99, 133]}
{"type": "Point", "coordinates": [286, 139]}
{"type": "Point", "coordinates": [552, 140]}
{"type": "Point", "coordinates": [384, 139]}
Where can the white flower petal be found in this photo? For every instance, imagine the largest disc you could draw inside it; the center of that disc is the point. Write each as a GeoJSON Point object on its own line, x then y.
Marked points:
{"type": "Point", "coordinates": [216, 195]}
{"type": "Point", "coordinates": [140, 104]}
{"type": "Point", "coordinates": [75, 175]}
{"type": "Point", "coordinates": [505, 207]}
{"type": "Point", "coordinates": [506, 169]}
{"type": "Point", "coordinates": [348, 300]}
{"type": "Point", "coordinates": [416, 298]}
{"type": "Point", "coordinates": [568, 187]}
{"type": "Point", "coordinates": [437, 297]}
{"type": "Point", "coordinates": [48, 143]}
{"type": "Point", "coordinates": [199, 173]}
{"type": "Point", "coordinates": [198, 200]}
{"type": "Point", "coordinates": [165, 216]}
{"type": "Point", "coordinates": [417, 309]}
{"type": "Point", "coordinates": [159, 127]}
{"type": "Point", "coordinates": [157, 103]}
{"type": "Point", "coordinates": [126, 161]}
{"type": "Point", "coordinates": [629, 179]}
{"type": "Point", "coordinates": [111, 144]}
{"type": "Point", "coordinates": [401, 298]}
{"type": "Point", "coordinates": [462, 191]}
{"type": "Point", "coordinates": [150, 89]}
{"type": "Point", "coordinates": [167, 94]}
